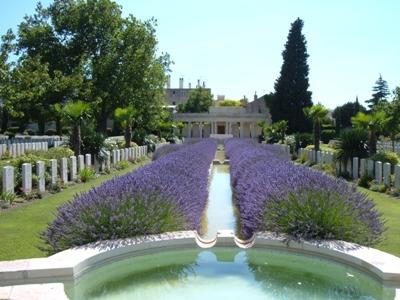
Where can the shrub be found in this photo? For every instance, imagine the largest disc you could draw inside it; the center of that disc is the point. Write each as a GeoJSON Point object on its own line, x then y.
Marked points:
{"type": "Point", "coordinates": [87, 174]}
{"type": "Point", "coordinates": [50, 132]}
{"type": "Point", "coordinates": [352, 143]}
{"type": "Point", "coordinates": [168, 194]}
{"type": "Point", "coordinates": [386, 157]}
{"type": "Point", "coordinates": [8, 197]}
{"type": "Point", "coordinates": [365, 181]}
{"type": "Point", "coordinates": [259, 177]}
{"type": "Point", "coordinates": [315, 214]}
{"type": "Point", "coordinates": [121, 165]}
{"type": "Point", "coordinates": [29, 132]}
{"type": "Point", "coordinates": [327, 135]}
{"type": "Point", "coordinates": [303, 139]}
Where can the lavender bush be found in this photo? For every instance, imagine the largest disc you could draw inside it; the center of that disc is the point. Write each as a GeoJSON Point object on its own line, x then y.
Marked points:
{"type": "Point", "coordinates": [274, 194]}
{"type": "Point", "coordinates": [168, 194]}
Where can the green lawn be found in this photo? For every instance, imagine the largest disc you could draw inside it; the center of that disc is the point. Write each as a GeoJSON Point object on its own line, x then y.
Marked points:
{"type": "Point", "coordinates": [20, 227]}
{"type": "Point", "coordinates": [390, 207]}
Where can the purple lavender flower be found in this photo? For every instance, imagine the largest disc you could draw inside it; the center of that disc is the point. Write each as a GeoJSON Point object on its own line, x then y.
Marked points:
{"type": "Point", "coordinates": [261, 174]}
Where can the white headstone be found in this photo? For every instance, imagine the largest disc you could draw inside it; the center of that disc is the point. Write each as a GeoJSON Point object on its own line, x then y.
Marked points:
{"type": "Point", "coordinates": [108, 161]}
{"type": "Point", "coordinates": [53, 171]}
{"type": "Point", "coordinates": [386, 173]}
{"type": "Point", "coordinates": [114, 157]}
{"type": "Point", "coordinates": [88, 160]}
{"type": "Point", "coordinates": [74, 170]}
{"type": "Point", "coordinates": [126, 153]}
{"type": "Point", "coordinates": [378, 172]}
{"type": "Point", "coordinates": [8, 179]}
{"type": "Point", "coordinates": [81, 162]}
{"type": "Point", "coordinates": [363, 167]}
{"type": "Point", "coordinates": [41, 176]}
{"type": "Point", "coordinates": [122, 153]}
{"type": "Point", "coordinates": [355, 167]}
{"type": "Point", "coordinates": [26, 178]}
{"type": "Point", "coordinates": [397, 176]}
{"type": "Point", "coordinates": [370, 165]}
{"type": "Point", "coordinates": [64, 170]}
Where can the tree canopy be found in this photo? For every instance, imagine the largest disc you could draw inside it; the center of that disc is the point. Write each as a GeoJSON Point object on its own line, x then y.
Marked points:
{"type": "Point", "coordinates": [199, 101]}
{"type": "Point", "coordinates": [291, 88]}
{"type": "Point", "coordinates": [84, 50]}
{"type": "Point", "coordinates": [380, 93]}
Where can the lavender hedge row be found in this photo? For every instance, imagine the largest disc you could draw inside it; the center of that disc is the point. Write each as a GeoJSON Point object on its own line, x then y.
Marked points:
{"type": "Point", "coordinates": [168, 194]}
{"type": "Point", "coordinates": [274, 194]}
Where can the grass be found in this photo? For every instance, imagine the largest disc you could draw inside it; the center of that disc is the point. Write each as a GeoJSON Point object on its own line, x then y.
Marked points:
{"type": "Point", "coordinates": [323, 147]}
{"type": "Point", "coordinates": [390, 208]}
{"type": "Point", "coordinates": [20, 227]}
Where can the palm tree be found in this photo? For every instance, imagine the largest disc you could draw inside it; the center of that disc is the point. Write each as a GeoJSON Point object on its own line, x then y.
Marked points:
{"type": "Point", "coordinates": [317, 113]}
{"type": "Point", "coordinates": [125, 117]}
{"type": "Point", "coordinates": [74, 113]}
{"type": "Point", "coordinates": [374, 123]}
{"type": "Point", "coordinates": [281, 128]}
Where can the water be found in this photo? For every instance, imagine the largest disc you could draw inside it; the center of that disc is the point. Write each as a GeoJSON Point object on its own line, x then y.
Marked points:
{"type": "Point", "coordinates": [226, 274]}
{"type": "Point", "coordinates": [219, 213]}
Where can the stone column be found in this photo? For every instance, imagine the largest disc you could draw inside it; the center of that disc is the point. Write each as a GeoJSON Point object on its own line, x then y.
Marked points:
{"type": "Point", "coordinates": [40, 175]}
{"type": "Point", "coordinates": [26, 178]}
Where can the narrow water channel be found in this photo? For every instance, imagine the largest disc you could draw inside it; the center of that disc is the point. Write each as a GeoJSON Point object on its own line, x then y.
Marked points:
{"type": "Point", "coordinates": [219, 213]}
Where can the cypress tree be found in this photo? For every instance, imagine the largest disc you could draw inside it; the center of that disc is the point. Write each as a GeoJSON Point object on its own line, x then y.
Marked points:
{"type": "Point", "coordinates": [291, 88]}
{"type": "Point", "coordinates": [380, 93]}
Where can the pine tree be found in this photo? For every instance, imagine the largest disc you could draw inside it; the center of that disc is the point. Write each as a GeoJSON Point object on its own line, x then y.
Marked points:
{"type": "Point", "coordinates": [291, 88]}
{"type": "Point", "coordinates": [380, 93]}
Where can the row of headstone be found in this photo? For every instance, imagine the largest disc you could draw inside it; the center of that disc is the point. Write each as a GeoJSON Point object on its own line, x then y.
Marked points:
{"type": "Point", "coordinates": [30, 139]}
{"type": "Point", "coordinates": [356, 167]}
{"type": "Point", "coordinates": [388, 146]}
{"type": "Point", "coordinates": [58, 143]}
{"type": "Point", "coordinates": [381, 172]}
{"type": "Point", "coordinates": [68, 169]}
{"type": "Point", "coordinates": [18, 149]}
{"type": "Point", "coordinates": [316, 157]}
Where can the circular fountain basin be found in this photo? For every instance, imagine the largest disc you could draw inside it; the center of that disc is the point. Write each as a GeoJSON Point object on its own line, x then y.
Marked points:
{"type": "Point", "coordinates": [226, 273]}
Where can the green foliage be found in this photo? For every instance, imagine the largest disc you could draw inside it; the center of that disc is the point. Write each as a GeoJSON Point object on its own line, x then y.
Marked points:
{"type": "Point", "coordinates": [380, 93]}
{"type": "Point", "coordinates": [8, 197]}
{"type": "Point", "coordinates": [92, 140]}
{"type": "Point", "coordinates": [352, 143]}
{"type": "Point", "coordinates": [124, 115]}
{"type": "Point", "coordinates": [386, 157]}
{"type": "Point", "coordinates": [374, 123]}
{"type": "Point", "coordinates": [199, 100]}
{"type": "Point", "coordinates": [316, 215]}
{"type": "Point", "coordinates": [87, 174]}
{"type": "Point", "coordinates": [344, 113]}
{"type": "Point", "coordinates": [327, 135]}
{"type": "Point", "coordinates": [317, 113]}
{"type": "Point", "coordinates": [303, 139]}
{"type": "Point", "coordinates": [234, 103]}
{"type": "Point", "coordinates": [291, 88]}
{"type": "Point", "coordinates": [56, 153]}
{"type": "Point", "coordinates": [121, 165]}
{"type": "Point", "coordinates": [365, 181]}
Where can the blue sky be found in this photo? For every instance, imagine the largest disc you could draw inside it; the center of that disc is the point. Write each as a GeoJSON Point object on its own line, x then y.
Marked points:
{"type": "Point", "coordinates": [235, 46]}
